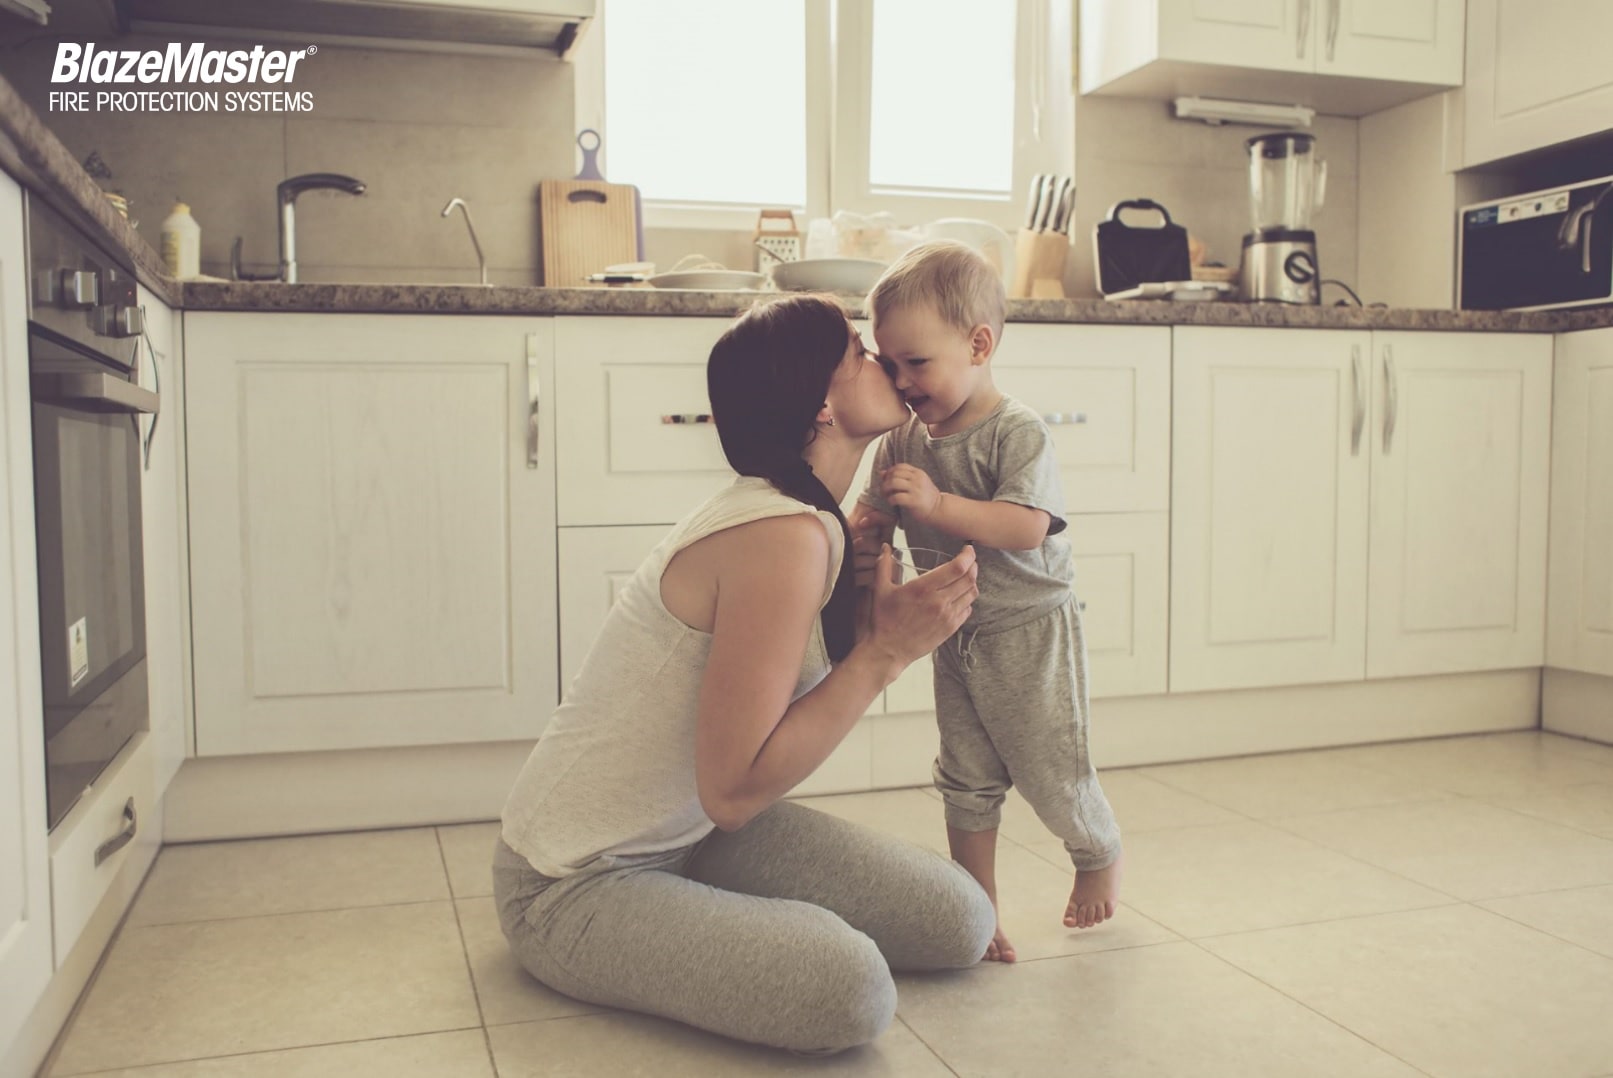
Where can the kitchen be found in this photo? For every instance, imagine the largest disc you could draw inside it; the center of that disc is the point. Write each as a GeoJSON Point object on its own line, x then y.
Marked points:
{"type": "Point", "coordinates": [1315, 660]}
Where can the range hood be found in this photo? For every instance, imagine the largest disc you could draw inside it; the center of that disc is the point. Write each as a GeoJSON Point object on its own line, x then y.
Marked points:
{"type": "Point", "coordinates": [550, 26]}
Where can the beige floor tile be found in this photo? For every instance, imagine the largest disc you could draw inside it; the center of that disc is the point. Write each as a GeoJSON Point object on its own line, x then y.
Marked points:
{"type": "Point", "coordinates": [629, 1044]}
{"type": "Point", "coordinates": [1588, 807]}
{"type": "Point", "coordinates": [1291, 784]}
{"type": "Point", "coordinates": [1459, 992]}
{"type": "Point", "coordinates": [467, 850]}
{"type": "Point", "coordinates": [1486, 765]}
{"type": "Point", "coordinates": [1032, 892]}
{"type": "Point", "coordinates": [505, 991]}
{"type": "Point", "coordinates": [462, 1054]}
{"type": "Point", "coordinates": [906, 814]}
{"type": "Point", "coordinates": [207, 988]}
{"type": "Point", "coordinates": [213, 880]}
{"type": "Point", "coordinates": [1205, 881]}
{"type": "Point", "coordinates": [1583, 915]}
{"type": "Point", "coordinates": [1140, 804]}
{"type": "Point", "coordinates": [1464, 847]}
{"type": "Point", "coordinates": [1142, 1013]}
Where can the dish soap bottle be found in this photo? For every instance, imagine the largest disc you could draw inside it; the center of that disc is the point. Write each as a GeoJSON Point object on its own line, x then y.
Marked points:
{"type": "Point", "coordinates": [181, 244]}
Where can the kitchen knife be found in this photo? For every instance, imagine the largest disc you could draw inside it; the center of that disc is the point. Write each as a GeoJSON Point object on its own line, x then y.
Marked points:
{"type": "Point", "coordinates": [1036, 200]}
{"type": "Point", "coordinates": [1060, 198]}
{"type": "Point", "coordinates": [1044, 207]}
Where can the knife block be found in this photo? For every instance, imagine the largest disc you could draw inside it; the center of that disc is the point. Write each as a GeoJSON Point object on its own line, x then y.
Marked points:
{"type": "Point", "coordinates": [1039, 259]}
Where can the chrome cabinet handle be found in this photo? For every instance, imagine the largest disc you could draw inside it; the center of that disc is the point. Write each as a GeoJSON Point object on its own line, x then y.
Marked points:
{"type": "Point", "coordinates": [1063, 419]}
{"type": "Point", "coordinates": [534, 398]}
{"type": "Point", "coordinates": [1359, 422]}
{"type": "Point", "coordinates": [1392, 393]}
{"type": "Point", "coordinates": [1304, 27]}
{"type": "Point", "coordinates": [686, 417]}
{"type": "Point", "coordinates": [131, 824]}
{"type": "Point", "coordinates": [156, 376]}
{"type": "Point", "coordinates": [1334, 14]}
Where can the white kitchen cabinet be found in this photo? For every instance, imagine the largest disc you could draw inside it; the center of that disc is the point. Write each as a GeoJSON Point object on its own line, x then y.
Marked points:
{"type": "Point", "coordinates": [1122, 578]}
{"type": "Point", "coordinates": [25, 921]}
{"type": "Point", "coordinates": [1537, 75]}
{"type": "Point", "coordinates": [1344, 57]}
{"type": "Point", "coordinates": [1580, 633]}
{"type": "Point", "coordinates": [372, 530]}
{"type": "Point", "coordinates": [1105, 394]}
{"type": "Point", "coordinates": [1268, 579]}
{"type": "Point", "coordinates": [1460, 462]}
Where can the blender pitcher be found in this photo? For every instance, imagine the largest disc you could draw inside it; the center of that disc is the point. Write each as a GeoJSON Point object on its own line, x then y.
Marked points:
{"type": "Point", "coordinates": [1287, 183]}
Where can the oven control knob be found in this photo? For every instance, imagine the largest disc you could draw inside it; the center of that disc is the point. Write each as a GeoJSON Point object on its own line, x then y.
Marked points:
{"type": "Point", "coordinates": [119, 320]}
{"type": "Point", "coordinates": [78, 288]}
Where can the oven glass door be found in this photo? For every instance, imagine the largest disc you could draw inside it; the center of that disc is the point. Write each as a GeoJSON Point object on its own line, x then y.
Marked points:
{"type": "Point", "coordinates": [91, 583]}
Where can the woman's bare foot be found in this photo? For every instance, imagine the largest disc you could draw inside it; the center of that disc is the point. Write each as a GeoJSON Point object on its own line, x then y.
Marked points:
{"type": "Point", "coordinates": [999, 949]}
{"type": "Point", "coordinates": [1096, 894]}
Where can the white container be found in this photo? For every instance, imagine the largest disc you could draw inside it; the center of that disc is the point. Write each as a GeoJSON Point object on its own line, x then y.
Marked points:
{"type": "Point", "coordinates": [181, 244]}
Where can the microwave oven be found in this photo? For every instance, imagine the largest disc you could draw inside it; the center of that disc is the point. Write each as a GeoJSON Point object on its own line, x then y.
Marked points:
{"type": "Point", "coordinates": [1536, 251]}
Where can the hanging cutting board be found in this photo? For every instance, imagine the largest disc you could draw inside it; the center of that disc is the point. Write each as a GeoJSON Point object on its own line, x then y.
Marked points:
{"type": "Point", "coordinates": [585, 226]}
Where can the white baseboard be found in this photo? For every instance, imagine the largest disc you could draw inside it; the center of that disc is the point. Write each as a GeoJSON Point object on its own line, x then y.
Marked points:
{"type": "Point", "coordinates": [248, 796]}
{"type": "Point", "coordinates": [1578, 704]}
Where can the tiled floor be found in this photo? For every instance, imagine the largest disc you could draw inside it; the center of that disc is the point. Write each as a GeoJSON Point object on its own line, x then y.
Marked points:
{"type": "Point", "coordinates": [1435, 908]}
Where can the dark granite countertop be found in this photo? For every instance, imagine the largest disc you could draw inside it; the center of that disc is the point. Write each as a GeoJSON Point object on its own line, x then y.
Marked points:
{"type": "Point", "coordinates": [36, 157]}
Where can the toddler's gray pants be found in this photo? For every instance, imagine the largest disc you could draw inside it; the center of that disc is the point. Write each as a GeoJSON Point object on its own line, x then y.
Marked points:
{"type": "Point", "coordinates": [1012, 707]}
{"type": "Point", "coordinates": [782, 933]}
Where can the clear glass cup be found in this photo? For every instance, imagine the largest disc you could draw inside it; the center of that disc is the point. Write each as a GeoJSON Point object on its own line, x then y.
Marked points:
{"type": "Point", "coordinates": [911, 562]}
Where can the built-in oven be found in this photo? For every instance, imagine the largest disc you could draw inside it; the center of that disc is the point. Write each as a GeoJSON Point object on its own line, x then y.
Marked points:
{"type": "Point", "coordinates": [89, 416]}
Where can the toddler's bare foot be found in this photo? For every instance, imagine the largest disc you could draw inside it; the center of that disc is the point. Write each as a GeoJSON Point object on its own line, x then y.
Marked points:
{"type": "Point", "coordinates": [999, 949]}
{"type": "Point", "coordinates": [1096, 894]}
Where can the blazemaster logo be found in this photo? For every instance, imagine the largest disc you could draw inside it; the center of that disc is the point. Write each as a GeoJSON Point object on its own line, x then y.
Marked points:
{"type": "Point", "coordinates": [178, 64]}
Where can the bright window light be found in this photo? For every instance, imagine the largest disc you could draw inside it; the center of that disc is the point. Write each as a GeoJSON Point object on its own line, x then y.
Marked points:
{"type": "Point", "coordinates": [705, 101]}
{"type": "Point", "coordinates": [942, 109]}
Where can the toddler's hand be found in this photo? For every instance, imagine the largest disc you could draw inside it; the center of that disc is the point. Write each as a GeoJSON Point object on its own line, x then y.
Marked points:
{"type": "Point", "coordinates": [912, 489]}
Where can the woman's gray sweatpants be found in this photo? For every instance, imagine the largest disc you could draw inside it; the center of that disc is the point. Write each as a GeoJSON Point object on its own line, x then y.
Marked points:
{"type": "Point", "coordinates": [783, 933]}
{"type": "Point", "coordinates": [1012, 707]}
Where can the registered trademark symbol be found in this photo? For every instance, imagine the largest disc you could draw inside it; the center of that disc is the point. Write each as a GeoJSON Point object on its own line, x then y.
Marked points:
{"type": "Point", "coordinates": [312, 49]}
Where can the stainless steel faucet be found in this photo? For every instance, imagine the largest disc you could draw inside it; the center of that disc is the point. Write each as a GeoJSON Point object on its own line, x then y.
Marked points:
{"type": "Point", "coordinates": [480, 258]}
{"type": "Point", "coordinates": [287, 193]}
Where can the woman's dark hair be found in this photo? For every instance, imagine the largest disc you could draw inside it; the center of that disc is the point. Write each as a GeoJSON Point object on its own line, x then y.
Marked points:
{"type": "Point", "coordinates": [768, 377]}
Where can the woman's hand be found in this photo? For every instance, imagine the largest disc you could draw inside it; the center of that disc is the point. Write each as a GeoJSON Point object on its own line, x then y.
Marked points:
{"type": "Point", "coordinates": [911, 620]}
{"type": "Point", "coordinates": [869, 530]}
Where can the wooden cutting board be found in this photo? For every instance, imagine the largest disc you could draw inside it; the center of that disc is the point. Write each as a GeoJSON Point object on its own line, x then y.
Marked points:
{"type": "Point", "coordinates": [584, 226]}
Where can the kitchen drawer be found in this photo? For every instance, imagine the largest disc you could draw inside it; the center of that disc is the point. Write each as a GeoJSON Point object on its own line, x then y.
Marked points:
{"type": "Point", "coordinates": [1122, 578]}
{"type": "Point", "coordinates": [123, 800]}
{"type": "Point", "coordinates": [618, 383]}
{"type": "Point", "coordinates": [1105, 391]}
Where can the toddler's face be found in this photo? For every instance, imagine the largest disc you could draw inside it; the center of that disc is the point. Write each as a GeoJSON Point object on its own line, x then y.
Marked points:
{"type": "Point", "coordinates": [933, 363]}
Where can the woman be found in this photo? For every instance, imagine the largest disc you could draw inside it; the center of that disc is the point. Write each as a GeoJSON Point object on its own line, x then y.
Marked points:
{"type": "Point", "coordinates": [706, 698]}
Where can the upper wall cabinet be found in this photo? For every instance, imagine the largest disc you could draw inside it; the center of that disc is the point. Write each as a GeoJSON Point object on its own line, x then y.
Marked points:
{"type": "Point", "coordinates": [1537, 75]}
{"type": "Point", "coordinates": [1342, 57]}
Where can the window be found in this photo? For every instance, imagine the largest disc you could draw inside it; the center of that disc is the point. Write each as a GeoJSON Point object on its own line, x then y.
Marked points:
{"type": "Point", "coordinates": [925, 108]}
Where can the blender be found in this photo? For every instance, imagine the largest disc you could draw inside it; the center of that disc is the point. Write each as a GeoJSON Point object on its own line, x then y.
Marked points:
{"type": "Point", "coordinates": [1286, 186]}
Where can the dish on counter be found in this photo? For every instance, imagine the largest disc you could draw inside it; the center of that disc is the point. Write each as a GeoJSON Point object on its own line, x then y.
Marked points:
{"type": "Point", "coordinates": [1177, 291]}
{"type": "Point", "coordinates": [850, 275]}
{"type": "Point", "coordinates": [710, 280]}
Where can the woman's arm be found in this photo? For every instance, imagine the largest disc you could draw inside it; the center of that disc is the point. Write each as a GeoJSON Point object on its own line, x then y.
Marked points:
{"type": "Point", "coordinates": [752, 745]}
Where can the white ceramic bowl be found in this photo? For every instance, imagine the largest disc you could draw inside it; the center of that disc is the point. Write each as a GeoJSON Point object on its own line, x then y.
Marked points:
{"type": "Point", "coordinates": [710, 280]}
{"type": "Point", "coordinates": [854, 276]}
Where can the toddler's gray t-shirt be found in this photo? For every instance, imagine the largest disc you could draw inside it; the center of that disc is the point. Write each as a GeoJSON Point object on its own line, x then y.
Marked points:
{"type": "Point", "coordinates": [1006, 457]}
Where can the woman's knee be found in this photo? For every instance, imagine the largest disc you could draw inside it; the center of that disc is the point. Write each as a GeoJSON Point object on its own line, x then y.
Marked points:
{"type": "Point", "coordinates": [854, 998]}
{"type": "Point", "coordinates": [964, 921]}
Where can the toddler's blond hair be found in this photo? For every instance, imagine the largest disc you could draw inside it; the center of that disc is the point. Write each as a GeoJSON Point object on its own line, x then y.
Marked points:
{"type": "Point", "coordinates": [965, 289]}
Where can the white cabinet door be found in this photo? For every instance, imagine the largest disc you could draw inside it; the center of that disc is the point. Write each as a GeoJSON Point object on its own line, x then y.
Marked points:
{"type": "Point", "coordinates": [162, 494]}
{"type": "Point", "coordinates": [1271, 35]}
{"type": "Point", "coordinates": [1460, 462]}
{"type": "Point", "coordinates": [1580, 635]}
{"type": "Point", "coordinates": [1268, 507]}
{"type": "Point", "coordinates": [1105, 393]}
{"type": "Point", "coordinates": [25, 933]}
{"type": "Point", "coordinates": [1537, 75]}
{"type": "Point", "coordinates": [372, 530]}
{"type": "Point", "coordinates": [1409, 40]}
{"type": "Point", "coordinates": [636, 441]}
{"type": "Point", "coordinates": [1122, 567]}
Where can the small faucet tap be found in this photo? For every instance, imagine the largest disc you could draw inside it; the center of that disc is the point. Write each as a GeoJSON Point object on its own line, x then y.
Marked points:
{"type": "Point", "coordinates": [287, 193]}
{"type": "Point", "coordinates": [480, 259]}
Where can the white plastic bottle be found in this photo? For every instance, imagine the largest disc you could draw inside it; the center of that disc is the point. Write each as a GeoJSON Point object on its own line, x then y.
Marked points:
{"type": "Point", "coordinates": [181, 244]}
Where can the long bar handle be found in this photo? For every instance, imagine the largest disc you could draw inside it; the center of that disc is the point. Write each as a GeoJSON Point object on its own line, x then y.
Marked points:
{"type": "Point", "coordinates": [1359, 422]}
{"type": "Point", "coordinates": [1335, 12]}
{"type": "Point", "coordinates": [534, 401]}
{"type": "Point", "coordinates": [1391, 383]}
{"type": "Point", "coordinates": [1061, 419]}
{"type": "Point", "coordinates": [131, 824]}
{"type": "Point", "coordinates": [98, 392]}
{"type": "Point", "coordinates": [686, 417]}
{"type": "Point", "coordinates": [1304, 27]}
